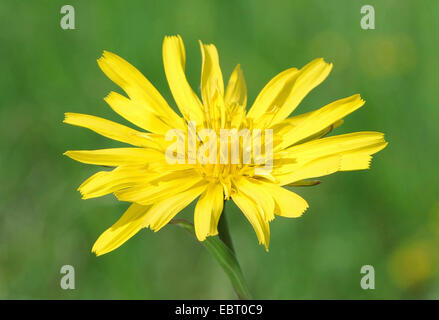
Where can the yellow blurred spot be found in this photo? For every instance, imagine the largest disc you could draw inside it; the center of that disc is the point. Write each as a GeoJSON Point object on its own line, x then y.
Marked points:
{"type": "Point", "coordinates": [412, 265]}
{"type": "Point", "coordinates": [387, 55]}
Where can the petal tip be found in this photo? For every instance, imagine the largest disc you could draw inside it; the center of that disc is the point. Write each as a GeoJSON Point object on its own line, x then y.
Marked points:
{"type": "Point", "coordinates": [96, 252]}
{"type": "Point", "coordinates": [106, 55]}
{"type": "Point", "coordinates": [109, 96]}
{"type": "Point", "coordinates": [68, 117]}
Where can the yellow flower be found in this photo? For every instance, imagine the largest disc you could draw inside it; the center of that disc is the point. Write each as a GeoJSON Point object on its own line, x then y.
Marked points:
{"type": "Point", "coordinates": [158, 188]}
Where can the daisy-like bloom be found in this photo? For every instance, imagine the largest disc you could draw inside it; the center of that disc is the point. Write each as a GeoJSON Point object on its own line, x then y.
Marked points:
{"type": "Point", "coordinates": [158, 189]}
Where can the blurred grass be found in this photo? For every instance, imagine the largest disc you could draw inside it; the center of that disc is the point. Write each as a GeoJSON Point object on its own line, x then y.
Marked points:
{"type": "Point", "coordinates": [387, 217]}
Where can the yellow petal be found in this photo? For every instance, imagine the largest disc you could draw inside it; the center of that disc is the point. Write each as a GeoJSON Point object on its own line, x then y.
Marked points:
{"type": "Point", "coordinates": [161, 188]}
{"type": "Point", "coordinates": [284, 126]}
{"type": "Point", "coordinates": [124, 177]}
{"type": "Point", "coordinates": [110, 129]}
{"type": "Point", "coordinates": [105, 182]}
{"type": "Point", "coordinates": [327, 165]}
{"type": "Point", "coordinates": [312, 169]}
{"type": "Point", "coordinates": [328, 155]}
{"type": "Point", "coordinates": [126, 227]}
{"type": "Point", "coordinates": [272, 94]}
{"type": "Point", "coordinates": [174, 60]}
{"type": "Point", "coordinates": [310, 76]}
{"type": "Point", "coordinates": [337, 144]}
{"type": "Point", "coordinates": [211, 75]}
{"type": "Point", "coordinates": [208, 211]}
{"type": "Point", "coordinates": [350, 162]}
{"type": "Point", "coordinates": [139, 115]}
{"type": "Point", "coordinates": [288, 204]}
{"type": "Point", "coordinates": [284, 92]}
{"type": "Point", "coordinates": [138, 88]}
{"type": "Point", "coordinates": [162, 212]}
{"type": "Point", "coordinates": [321, 119]}
{"type": "Point", "coordinates": [236, 91]}
{"type": "Point", "coordinates": [253, 189]}
{"type": "Point", "coordinates": [250, 210]}
{"type": "Point", "coordinates": [115, 156]}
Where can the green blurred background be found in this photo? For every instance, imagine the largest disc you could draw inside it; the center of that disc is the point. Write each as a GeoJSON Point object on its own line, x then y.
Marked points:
{"type": "Point", "coordinates": [387, 217]}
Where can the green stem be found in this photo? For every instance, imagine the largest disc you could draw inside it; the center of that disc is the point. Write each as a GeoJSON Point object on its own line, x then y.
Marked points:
{"type": "Point", "coordinates": [223, 230]}
{"type": "Point", "coordinates": [225, 257]}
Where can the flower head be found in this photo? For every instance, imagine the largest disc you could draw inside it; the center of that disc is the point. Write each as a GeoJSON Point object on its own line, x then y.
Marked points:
{"type": "Point", "coordinates": [216, 149]}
